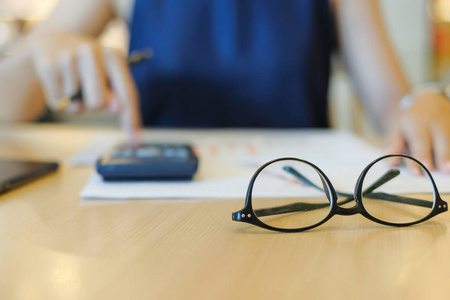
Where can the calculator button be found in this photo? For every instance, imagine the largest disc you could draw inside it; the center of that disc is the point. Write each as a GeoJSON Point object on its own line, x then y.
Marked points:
{"type": "Point", "coordinates": [169, 152]}
{"type": "Point", "coordinates": [181, 153]}
{"type": "Point", "coordinates": [116, 154]}
{"type": "Point", "coordinates": [122, 153]}
{"type": "Point", "coordinates": [127, 153]}
{"type": "Point", "coordinates": [148, 152]}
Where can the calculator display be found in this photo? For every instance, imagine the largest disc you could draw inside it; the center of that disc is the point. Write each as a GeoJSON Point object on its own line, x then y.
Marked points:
{"type": "Point", "coordinates": [149, 162]}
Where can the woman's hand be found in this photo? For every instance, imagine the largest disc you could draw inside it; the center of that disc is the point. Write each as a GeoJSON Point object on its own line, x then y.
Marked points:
{"type": "Point", "coordinates": [424, 131]}
{"type": "Point", "coordinates": [66, 63]}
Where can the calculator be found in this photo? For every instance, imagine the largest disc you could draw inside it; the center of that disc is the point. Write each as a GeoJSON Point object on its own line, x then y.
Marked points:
{"type": "Point", "coordinates": [153, 161]}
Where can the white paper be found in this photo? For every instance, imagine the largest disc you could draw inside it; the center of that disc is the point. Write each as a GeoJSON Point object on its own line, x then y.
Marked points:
{"type": "Point", "coordinates": [228, 159]}
{"type": "Point", "coordinates": [94, 150]}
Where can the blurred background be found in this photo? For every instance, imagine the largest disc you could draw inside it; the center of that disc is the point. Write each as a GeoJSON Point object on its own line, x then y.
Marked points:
{"type": "Point", "coordinates": [420, 35]}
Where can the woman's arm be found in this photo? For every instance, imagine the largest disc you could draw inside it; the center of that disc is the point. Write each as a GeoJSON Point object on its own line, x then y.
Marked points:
{"type": "Point", "coordinates": [370, 58]}
{"type": "Point", "coordinates": [424, 128]}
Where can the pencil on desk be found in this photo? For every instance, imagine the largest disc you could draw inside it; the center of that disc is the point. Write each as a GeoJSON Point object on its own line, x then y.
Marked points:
{"type": "Point", "coordinates": [135, 58]}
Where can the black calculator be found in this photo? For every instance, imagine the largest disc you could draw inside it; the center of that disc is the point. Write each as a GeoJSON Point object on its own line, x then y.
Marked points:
{"type": "Point", "coordinates": [153, 161]}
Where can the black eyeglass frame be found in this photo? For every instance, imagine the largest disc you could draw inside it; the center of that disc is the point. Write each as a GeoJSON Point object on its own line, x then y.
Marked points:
{"type": "Point", "coordinates": [247, 214]}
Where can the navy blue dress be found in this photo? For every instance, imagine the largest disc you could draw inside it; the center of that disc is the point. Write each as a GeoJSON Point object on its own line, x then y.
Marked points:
{"type": "Point", "coordinates": [233, 63]}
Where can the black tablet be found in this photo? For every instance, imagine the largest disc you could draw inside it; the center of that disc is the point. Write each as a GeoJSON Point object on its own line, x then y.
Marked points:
{"type": "Point", "coordinates": [14, 173]}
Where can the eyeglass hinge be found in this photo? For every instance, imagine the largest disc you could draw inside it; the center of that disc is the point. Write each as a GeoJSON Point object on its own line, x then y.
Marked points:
{"type": "Point", "coordinates": [241, 216]}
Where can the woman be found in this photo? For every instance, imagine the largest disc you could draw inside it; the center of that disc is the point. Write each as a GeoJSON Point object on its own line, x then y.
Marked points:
{"type": "Point", "coordinates": [223, 63]}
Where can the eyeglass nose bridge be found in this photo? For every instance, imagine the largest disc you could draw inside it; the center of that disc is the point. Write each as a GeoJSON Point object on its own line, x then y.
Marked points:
{"type": "Point", "coordinates": [344, 211]}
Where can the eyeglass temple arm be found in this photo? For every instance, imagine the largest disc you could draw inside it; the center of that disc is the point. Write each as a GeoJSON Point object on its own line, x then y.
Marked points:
{"type": "Point", "coordinates": [389, 175]}
{"type": "Point", "coordinates": [392, 173]}
{"type": "Point", "coordinates": [301, 206]}
{"type": "Point", "coordinates": [399, 199]}
{"type": "Point", "coordinates": [305, 180]}
{"type": "Point", "coordinates": [389, 197]}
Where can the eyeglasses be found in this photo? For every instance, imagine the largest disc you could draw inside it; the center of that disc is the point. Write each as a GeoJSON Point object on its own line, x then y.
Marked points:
{"type": "Point", "coordinates": [293, 195]}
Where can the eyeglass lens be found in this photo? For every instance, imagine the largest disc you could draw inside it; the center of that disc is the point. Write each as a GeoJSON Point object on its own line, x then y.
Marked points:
{"type": "Point", "coordinates": [404, 197]}
{"type": "Point", "coordinates": [283, 199]}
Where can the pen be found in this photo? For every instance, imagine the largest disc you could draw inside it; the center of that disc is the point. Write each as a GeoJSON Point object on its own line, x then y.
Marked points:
{"type": "Point", "coordinates": [134, 58]}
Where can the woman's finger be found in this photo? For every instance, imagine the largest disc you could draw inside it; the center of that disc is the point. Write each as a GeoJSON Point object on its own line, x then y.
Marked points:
{"type": "Point", "coordinates": [125, 92]}
{"type": "Point", "coordinates": [93, 79]}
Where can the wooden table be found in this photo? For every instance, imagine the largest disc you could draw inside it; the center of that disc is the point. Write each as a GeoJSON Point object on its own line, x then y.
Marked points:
{"type": "Point", "coordinates": [55, 245]}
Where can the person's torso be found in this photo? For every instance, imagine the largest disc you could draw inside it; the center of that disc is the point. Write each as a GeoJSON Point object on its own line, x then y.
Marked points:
{"type": "Point", "coordinates": [233, 63]}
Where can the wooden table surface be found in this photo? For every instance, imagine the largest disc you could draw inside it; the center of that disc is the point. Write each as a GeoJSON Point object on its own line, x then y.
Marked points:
{"type": "Point", "coordinates": [55, 245]}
